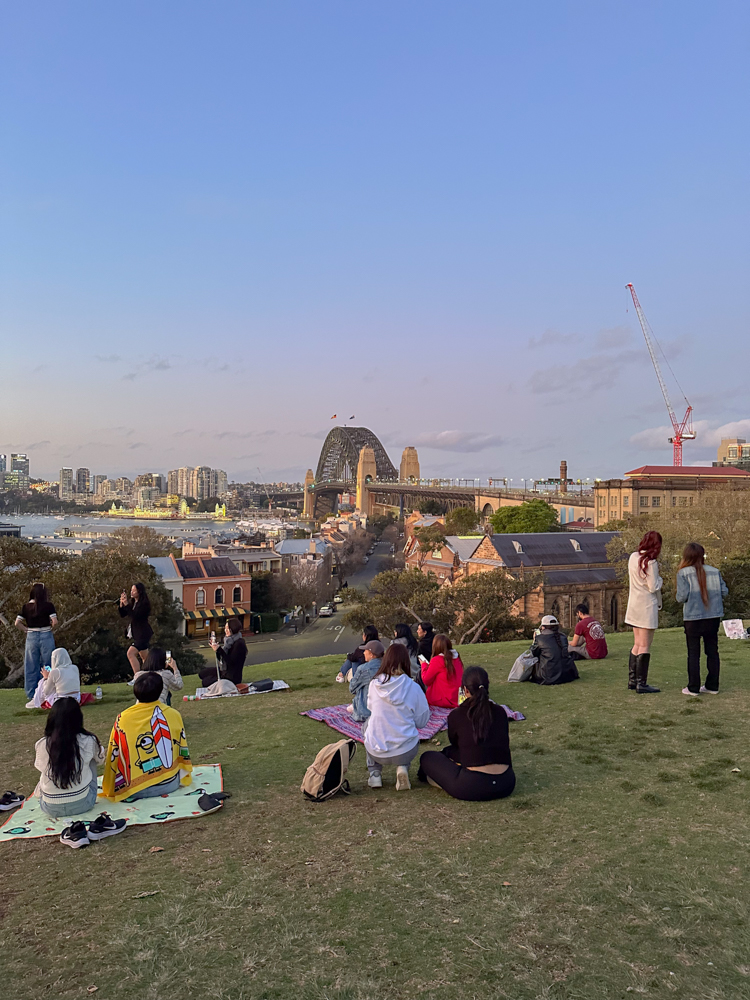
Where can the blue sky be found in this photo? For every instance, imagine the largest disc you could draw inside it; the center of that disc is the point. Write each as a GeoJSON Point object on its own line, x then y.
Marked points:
{"type": "Point", "coordinates": [222, 223]}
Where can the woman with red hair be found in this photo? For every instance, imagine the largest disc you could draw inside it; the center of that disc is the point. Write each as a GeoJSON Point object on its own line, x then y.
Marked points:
{"type": "Point", "coordinates": [644, 604]}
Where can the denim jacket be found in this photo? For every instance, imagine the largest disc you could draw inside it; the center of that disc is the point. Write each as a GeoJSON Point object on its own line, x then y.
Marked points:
{"type": "Point", "coordinates": [359, 685]}
{"type": "Point", "coordinates": [689, 594]}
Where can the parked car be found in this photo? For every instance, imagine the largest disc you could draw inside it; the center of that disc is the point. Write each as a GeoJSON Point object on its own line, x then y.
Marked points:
{"type": "Point", "coordinates": [338, 600]}
{"type": "Point", "coordinates": [326, 611]}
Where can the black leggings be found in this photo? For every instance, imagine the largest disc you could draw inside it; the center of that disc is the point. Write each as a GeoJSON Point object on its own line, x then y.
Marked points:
{"type": "Point", "coordinates": [462, 783]}
{"type": "Point", "coordinates": [708, 630]}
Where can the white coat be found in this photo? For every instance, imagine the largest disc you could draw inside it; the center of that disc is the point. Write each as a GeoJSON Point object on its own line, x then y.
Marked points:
{"type": "Point", "coordinates": [644, 599]}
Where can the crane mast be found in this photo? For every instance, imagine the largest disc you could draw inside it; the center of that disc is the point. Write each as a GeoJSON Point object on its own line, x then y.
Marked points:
{"type": "Point", "coordinates": [682, 430]}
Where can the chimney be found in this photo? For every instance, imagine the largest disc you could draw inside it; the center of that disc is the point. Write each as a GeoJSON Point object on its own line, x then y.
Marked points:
{"type": "Point", "coordinates": [563, 473]}
{"type": "Point", "coordinates": [312, 546]}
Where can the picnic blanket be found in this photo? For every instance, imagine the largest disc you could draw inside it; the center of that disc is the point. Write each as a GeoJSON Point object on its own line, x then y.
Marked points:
{"type": "Point", "coordinates": [339, 719]}
{"type": "Point", "coordinates": [201, 694]}
{"type": "Point", "coordinates": [29, 821]}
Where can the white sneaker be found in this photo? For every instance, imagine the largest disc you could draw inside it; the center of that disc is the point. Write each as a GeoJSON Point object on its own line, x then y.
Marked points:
{"type": "Point", "coordinates": [693, 694]}
{"type": "Point", "coordinates": [402, 779]}
{"type": "Point", "coordinates": [339, 678]}
{"type": "Point", "coordinates": [375, 781]}
{"type": "Point", "coordinates": [30, 704]}
{"type": "Point", "coordinates": [705, 690]}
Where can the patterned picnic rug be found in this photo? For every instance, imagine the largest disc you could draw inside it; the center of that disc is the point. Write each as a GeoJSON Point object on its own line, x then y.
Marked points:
{"type": "Point", "coordinates": [339, 719]}
{"type": "Point", "coordinates": [29, 821]}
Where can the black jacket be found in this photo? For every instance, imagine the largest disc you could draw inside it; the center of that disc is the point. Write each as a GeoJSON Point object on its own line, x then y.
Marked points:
{"type": "Point", "coordinates": [425, 646]}
{"type": "Point", "coordinates": [233, 660]}
{"type": "Point", "coordinates": [358, 656]}
{"type": "Point", "coordinates": [556, 665]}
{"type": "Point", "coordinates": [138, 612]}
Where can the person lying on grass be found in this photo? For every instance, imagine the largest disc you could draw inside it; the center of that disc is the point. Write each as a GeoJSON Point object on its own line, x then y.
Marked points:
{"type": "Point", "coordinates": [360, 682]}
{"type": "Point", "coordinates": [398, 710]}
{"type": "Point", "coordinates": [476, 765]}
{"type": "Point", "coordinates": [148, 753]}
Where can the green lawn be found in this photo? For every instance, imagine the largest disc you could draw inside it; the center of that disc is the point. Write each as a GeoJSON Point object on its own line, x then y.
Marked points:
{"type": "Point", "coordinates": [616, 868]}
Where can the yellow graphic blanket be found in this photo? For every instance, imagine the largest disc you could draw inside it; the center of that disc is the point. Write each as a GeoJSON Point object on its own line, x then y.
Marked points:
{"type": "Point", "coordinates": [146, 747]}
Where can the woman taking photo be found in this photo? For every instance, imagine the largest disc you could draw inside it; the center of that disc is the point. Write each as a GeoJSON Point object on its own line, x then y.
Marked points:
{"type": "Point", "coordinates": [159, 663]}
{"type": "Point", "coordinates": [230, 656]}
{"type": "Point", "coordinates": [476, 764]}
{"type": "Point", "coordinates": [701, 590]}
{"type": "Point", "coordinates": [38, 619]}
{"type": "Point", "coordinates": [442, 675]}
{"type": "Point", "coordinates": [138, 610]}
{"type": "Point", "coordinates": [644, 604]}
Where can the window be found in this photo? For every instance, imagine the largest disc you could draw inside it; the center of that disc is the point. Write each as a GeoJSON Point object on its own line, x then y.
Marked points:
{"type": "Point", "coordinates": [656, 501]}
{"type": "Point", "coordinates": [437, 554]}
{"type": "Point", "coordinates": [518, 547]}
{"type": "Point", "coordinates": [732, 453]}
{"type": "Point", "coordinates": [602, 501]}
{"type": "Point", "coordinates": [626, 501]}
{"type": "Point", "coordinates": [200, 597]}
{"type": "Point", "coordinates": [613, 612]}
{"type": "Point", "coordinates": [674, 501]}
{"type": "Point", "coordinates": [576, 544]}
{"type": "Point", "coordinates": [746, 451]}
{"type": "Point", "coordinates": [219, 595]}
{"type": "Point", "coordinates": [683, 501]}
{"type": "Point", "coordinates": [644, 501]}
{"type": "Point", "coordinates": [237, 595]}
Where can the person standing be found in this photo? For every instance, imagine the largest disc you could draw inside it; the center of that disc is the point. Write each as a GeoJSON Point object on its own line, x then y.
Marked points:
{"type": "Point", "coordinates": [587, 642]}
{"type": "Point", "coordinates": [230, 656]}
{"type": "Point", "coordinates": [644, 604]}
{"type": "Point", "coordinates": [38, 619]}
{"type": "Point", "coordinates": [138, 609]}
{"type": "Point", "coordinates": [701, 589]}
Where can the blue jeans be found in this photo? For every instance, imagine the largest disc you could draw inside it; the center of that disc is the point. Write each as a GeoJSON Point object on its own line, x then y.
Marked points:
{"type": "Point", "coordinates": [163, 788]}
{"type": "Point", "coordinates": [38, 653]}
{"type": "Point", "coordinates": [59, 809]}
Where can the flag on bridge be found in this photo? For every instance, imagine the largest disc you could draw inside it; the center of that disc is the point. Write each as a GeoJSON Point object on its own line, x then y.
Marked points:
{"type": "Point", "coordinates": [334, 416]}
{"type": "Point", "coordinates": [351, 417]}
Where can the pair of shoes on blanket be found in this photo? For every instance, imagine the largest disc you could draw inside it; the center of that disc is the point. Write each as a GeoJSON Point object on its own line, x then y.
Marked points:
{"type": "Point", "coordinates": [211, 801]}
{"type": "Point", "coordinates": [10, 800]}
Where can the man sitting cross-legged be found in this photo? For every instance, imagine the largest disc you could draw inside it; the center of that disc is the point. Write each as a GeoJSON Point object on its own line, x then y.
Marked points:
{"type": "Point", "coordinates": [587, 642]}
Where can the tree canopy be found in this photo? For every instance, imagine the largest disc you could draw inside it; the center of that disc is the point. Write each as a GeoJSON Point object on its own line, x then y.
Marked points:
{"type": "Point", "coordinates": [139, 540]}
{"type": "Point", "coordinates": [531, 515]}
{"type": "Point", "coordinates": [461, 521]}
{"type": "Point", "coordinates": [431, 507]}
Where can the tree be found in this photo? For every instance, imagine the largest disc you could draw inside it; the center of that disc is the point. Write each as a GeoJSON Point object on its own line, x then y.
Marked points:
{"type": "Point", "coordinates": [307, 585]}
{"type": "Point", "coordinates": [531, 515]}
{"type": "Point", "coordinates": [395, 597]}
{"type": "Point", "coordinates": [431, 507]}
{"type": "Point", "coordinates": [139, 540]}
{"type": "Point", "coordinates": [85, 591]}
{"type": "Point", "coordinates": [430, 538]}
{"type": "Point", "coordinates": [461, 521]}
{"type": "Point", "coordinates": [208, 505]}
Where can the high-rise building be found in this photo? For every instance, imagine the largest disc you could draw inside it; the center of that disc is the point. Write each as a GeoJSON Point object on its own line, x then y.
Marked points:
{"type": "Point", "coordinates": [65, 490]}
{"type": "Point", "coordinates": [200, 483]}
{"type": "Point", "coordinates": [96, 483]}
{"type": "Point", "coordinates": [154, 480]}
{"type": "Point", "coordinates": [83, 481]}
{"type": "Point", "coordinates": [123, 486]}
{"type": "Point", "coordinates": [3, 462]}
{"type": "Point", "coordinates": [19, 463]}
{"type": "Point", "coordinates": [173, 482]}
{"type": "Point", "coordinates": [219, 484]}
{"type": "Point", "coordinates": [185, 480]}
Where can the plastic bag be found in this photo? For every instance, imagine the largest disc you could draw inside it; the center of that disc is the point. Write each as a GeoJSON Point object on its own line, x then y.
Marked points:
{"type": "Point", "coordinates": [523, 667]}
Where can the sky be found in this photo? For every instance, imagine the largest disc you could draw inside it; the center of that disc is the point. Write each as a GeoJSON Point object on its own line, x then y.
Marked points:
{"type": "Point", "coordinates": [221, 224]}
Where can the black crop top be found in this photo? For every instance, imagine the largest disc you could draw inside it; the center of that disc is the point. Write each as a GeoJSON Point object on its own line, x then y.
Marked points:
{"type": "Point", "coordinates": [37, 617]}
{"type": "Point", "coordinates": [495, 749]}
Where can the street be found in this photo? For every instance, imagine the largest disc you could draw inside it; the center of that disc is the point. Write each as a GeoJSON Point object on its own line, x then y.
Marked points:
{"type": "Point", "coordinates": [323, 635]}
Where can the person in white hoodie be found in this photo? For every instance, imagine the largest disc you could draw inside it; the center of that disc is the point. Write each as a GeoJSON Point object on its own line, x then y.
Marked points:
{"type": "Point", "coordinates": [60, 680]}
{"type": "Point", "coordinates": [398, 710]}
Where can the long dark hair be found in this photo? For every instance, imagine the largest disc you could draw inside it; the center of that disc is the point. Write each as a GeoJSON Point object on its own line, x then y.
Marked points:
{"type": "Point", "coordinates": [442, 646]}
{"type": "Point", "coordinates": [404, 632]}
{"type": "Point", "coordinates": [142, 597]}
{"type": "Point", "coordinates": [649, 548]}
{"type": "Point", "coordinates": [369, 633]}
{"type": "Point", "coordinates": [694, 555]}
{"type": "Point", "coordinates": [64, 726]}
{"type": "Point", "coordinates": [156, 659]}
{"type": "Point", "coordinates": [39, 595]}
{"type": "Point", "coordinates": [395, 661]}
{"type": "Point", "coordinates": [476, 684]}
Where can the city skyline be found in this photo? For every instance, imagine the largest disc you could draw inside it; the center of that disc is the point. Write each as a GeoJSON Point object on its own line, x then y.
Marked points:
{"type": "Point", "coordinates": [422, 215]}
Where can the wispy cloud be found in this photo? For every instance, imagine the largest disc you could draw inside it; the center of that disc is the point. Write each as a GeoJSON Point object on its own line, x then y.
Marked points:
{"type": "Point", "coordinates": [156, 363]}
{"type": "Point", "coordinates": [108, 359]}
{"type": "Point", "coordinates": [551, 338]}
{"type": "Point", "coordinates": [597, 372]}
{"type": "Point", "coordinates": [461, 441]}
{"type": "Point", "coordinates": [655, 438]}
{"type": "Point", "coordinates": [37, 444]}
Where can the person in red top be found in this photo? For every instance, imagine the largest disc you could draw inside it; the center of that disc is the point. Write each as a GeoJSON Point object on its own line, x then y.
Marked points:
{"type": "Point", "coordinates": [587, 642]}
{"type": "Point", "coordinates": [442, 675]}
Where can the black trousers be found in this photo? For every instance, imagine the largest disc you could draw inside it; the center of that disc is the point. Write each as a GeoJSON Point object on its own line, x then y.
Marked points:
{"type": "Point", "coordinates": [460, 782]}
{"type": "Point", "coordinates": [708, 630]}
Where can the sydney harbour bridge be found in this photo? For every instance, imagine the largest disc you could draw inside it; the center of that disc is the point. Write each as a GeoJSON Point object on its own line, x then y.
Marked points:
{"type": "Point", "coordinates": [353, 459]}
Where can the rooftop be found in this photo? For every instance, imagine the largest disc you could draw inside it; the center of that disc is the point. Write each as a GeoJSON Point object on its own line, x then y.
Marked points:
{"type": "Point", "coordinates": [692, 471]}
{"type": "Point", "coordinates": [552, 548]}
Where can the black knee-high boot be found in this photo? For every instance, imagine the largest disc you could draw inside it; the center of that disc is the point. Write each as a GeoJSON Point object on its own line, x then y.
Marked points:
{"type": "Point", "coordinates": [643, 687]}
{"type": "Point", "coordinates": [632, 676]}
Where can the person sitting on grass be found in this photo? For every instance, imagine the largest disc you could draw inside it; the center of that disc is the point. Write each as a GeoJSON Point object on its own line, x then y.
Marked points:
{"type": "Point", "coordinates": [588, 641]}
{"type": "Point", "coordinates": [442, 675]}
{"type": "Point", "coordinates": [476, 764]}
{"type": "Point", "coordinates": [148, 753]}
{"type": "Point", "coordinates": [360, 682]}
{"type": "Point", "coordinates": [67, 757]}
{"type": "Point", "coordinates": [403, 636]}
{"type": "Point", "coordinates": [60, 680]}
{"type": "Point", "coordinates": [398, 710]}
{"type": "Point", "coordinates": [555, 665]}
{"type": "Point", "coordinates": [171, 678]}
{"type": "Point", "coordinates": [356, 658]}
{"type": "Point", "coordinates": [230, 656]}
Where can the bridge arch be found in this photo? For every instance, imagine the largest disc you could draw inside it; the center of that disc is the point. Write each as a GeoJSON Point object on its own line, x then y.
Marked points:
{"type": "Point", "coordinates": [340, 454]}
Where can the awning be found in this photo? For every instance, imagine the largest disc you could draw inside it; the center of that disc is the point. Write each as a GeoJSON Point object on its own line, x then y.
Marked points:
{"type": "Point", "coordinates": [212, 613]}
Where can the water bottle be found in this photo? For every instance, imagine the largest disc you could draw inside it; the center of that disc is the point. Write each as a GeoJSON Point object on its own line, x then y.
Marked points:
{"type": "Point", "coordinates": [99, 693]}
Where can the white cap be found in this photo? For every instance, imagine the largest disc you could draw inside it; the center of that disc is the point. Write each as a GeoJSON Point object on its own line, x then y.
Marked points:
{"type": "Point", "coordinates": [550, 620]}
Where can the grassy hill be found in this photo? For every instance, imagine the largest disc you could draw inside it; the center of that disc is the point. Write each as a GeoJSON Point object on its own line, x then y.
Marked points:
{"type": "Point", "coordinates": [616, 868]}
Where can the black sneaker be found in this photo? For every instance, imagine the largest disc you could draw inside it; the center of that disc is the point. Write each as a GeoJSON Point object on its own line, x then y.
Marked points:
{"type": "Point", "coordinates": [10, 800]}
{"type": "Point", "coordinates": [104, 826]}
{"type": "Point", "coordinates": [75, 835]}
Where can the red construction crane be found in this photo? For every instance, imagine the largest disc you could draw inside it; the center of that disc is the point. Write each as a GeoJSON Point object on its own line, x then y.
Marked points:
{"type": "Point", "coordinates": [683, 431]}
